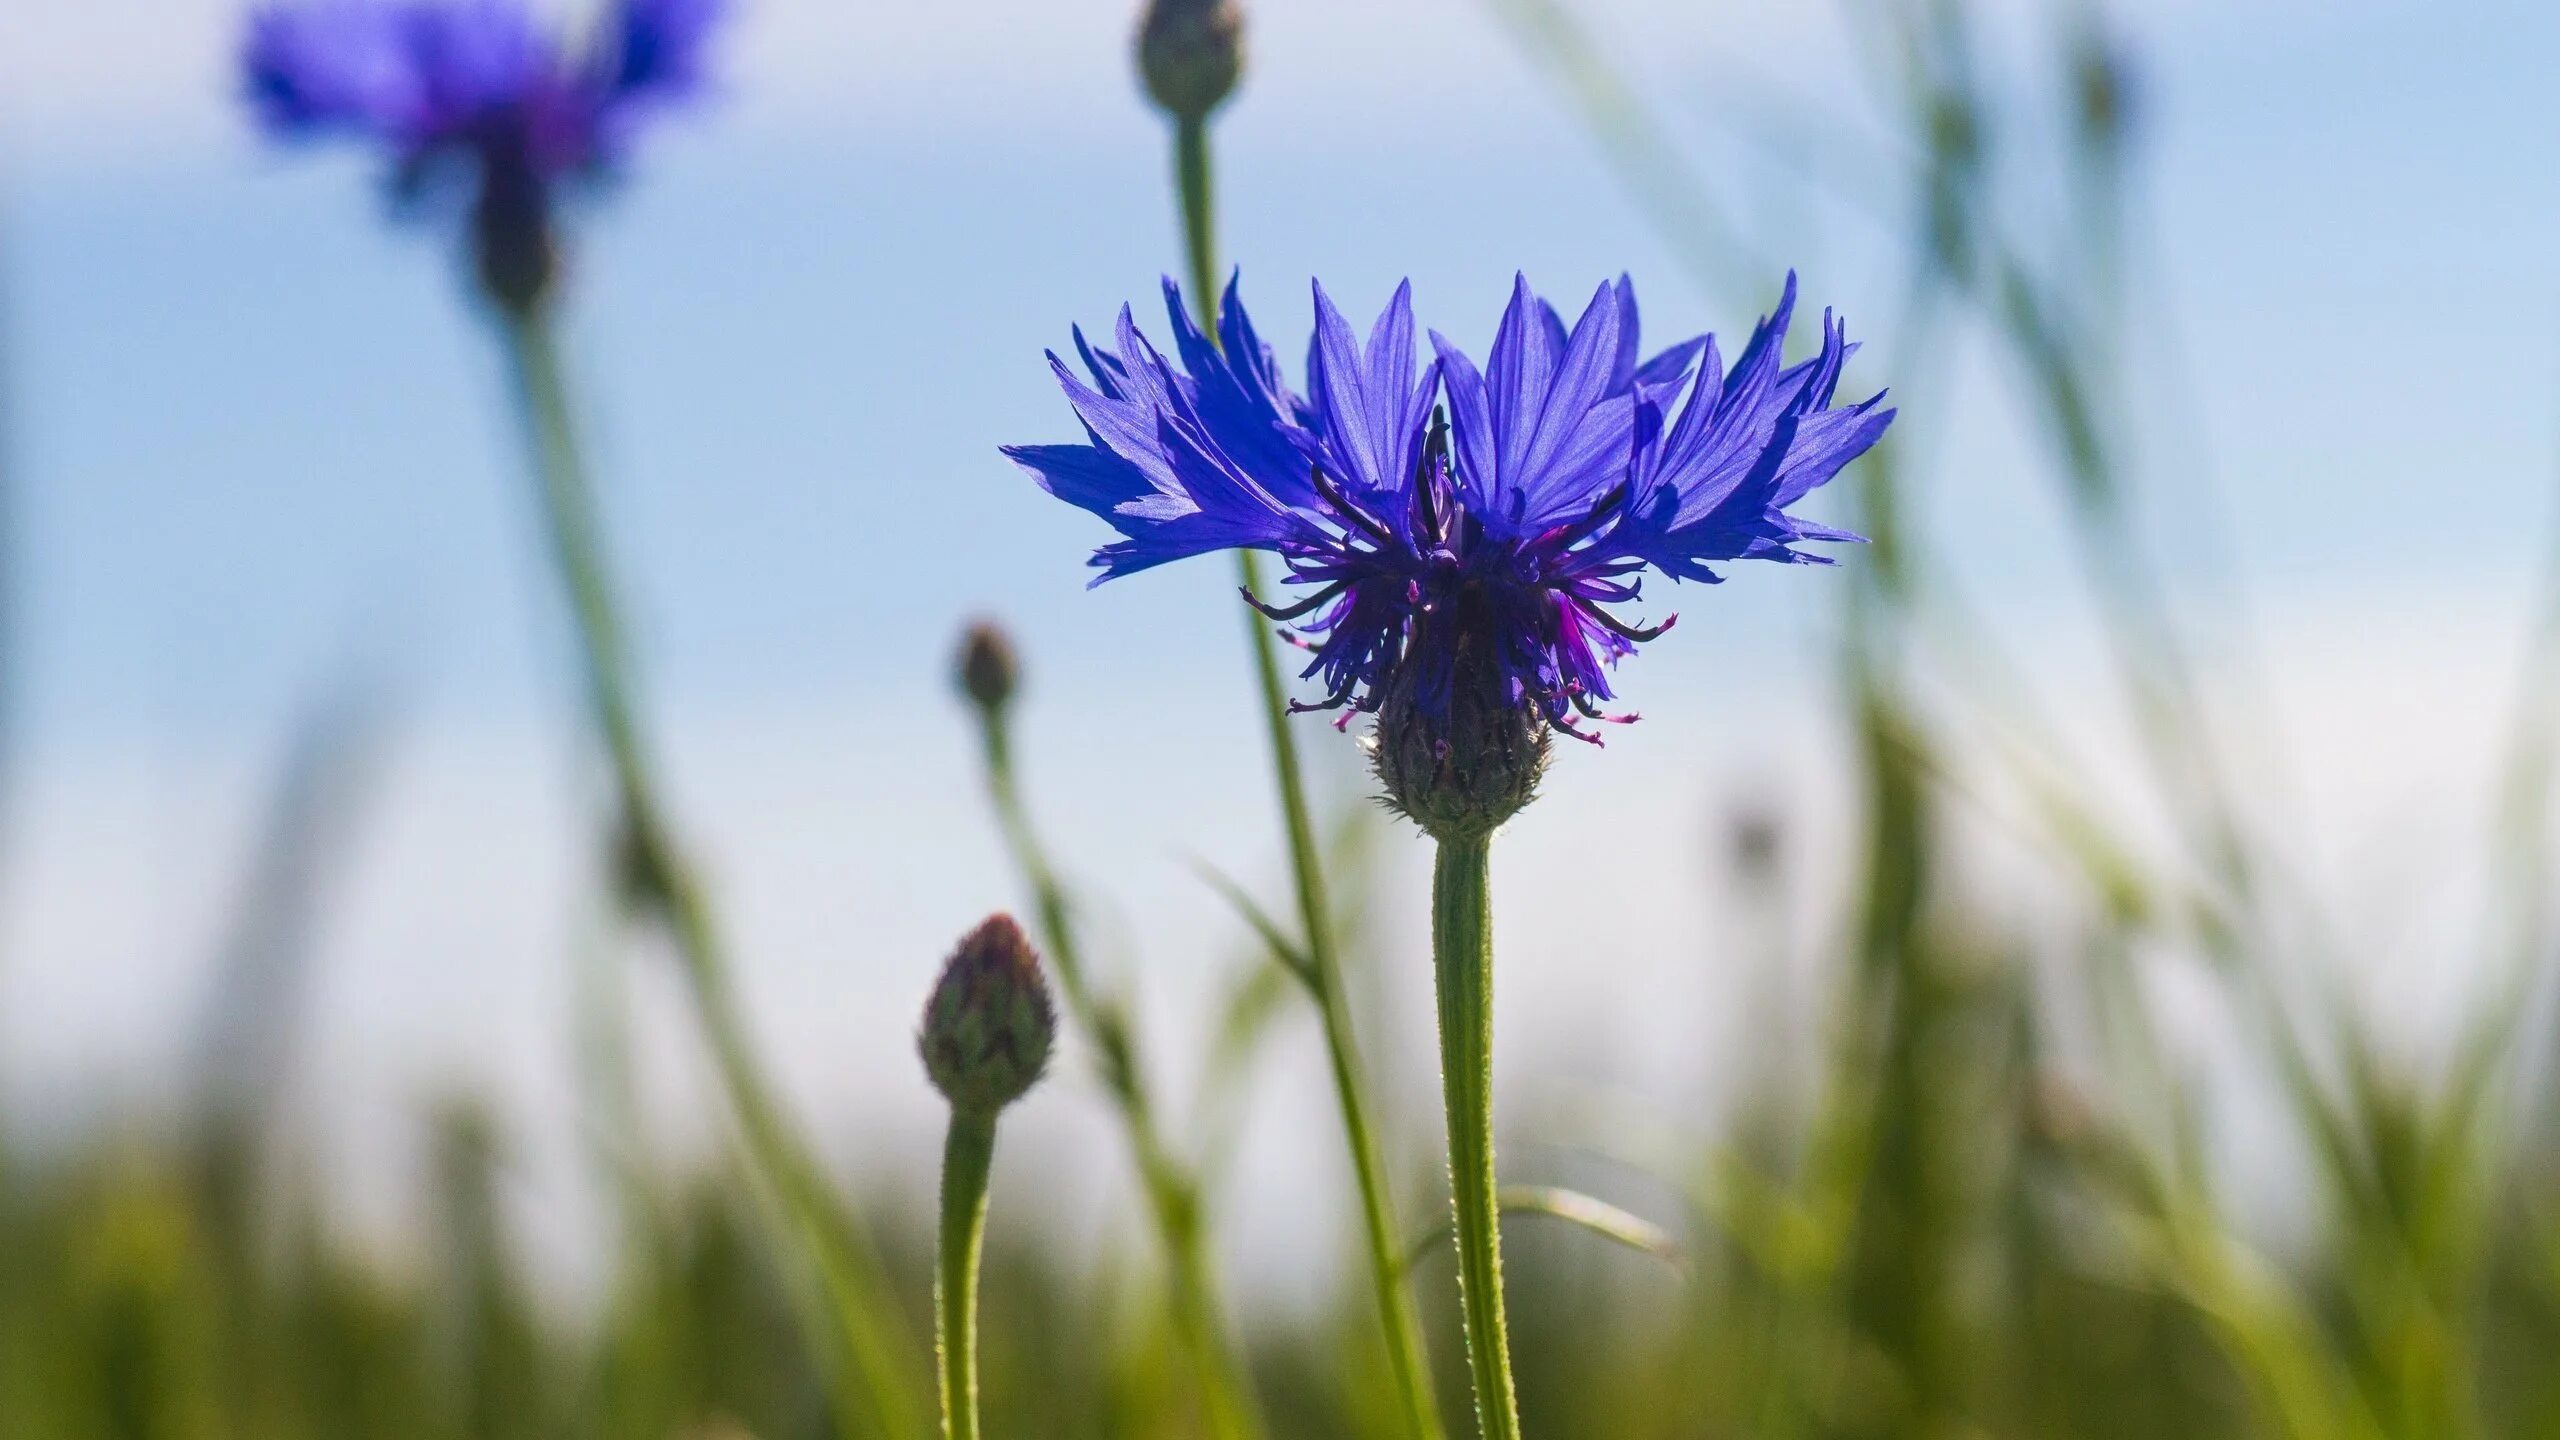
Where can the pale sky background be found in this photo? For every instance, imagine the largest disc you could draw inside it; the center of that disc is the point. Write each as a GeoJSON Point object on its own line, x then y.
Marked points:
{"type": "Point", "coordinates": [256, 442]}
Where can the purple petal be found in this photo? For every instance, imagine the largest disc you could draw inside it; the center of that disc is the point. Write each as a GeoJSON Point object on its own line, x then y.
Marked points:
{"type": "Point", "coordinates": [1568, 427]}
{"type": "Point", "coordinates": [657, 48]}
{"type": "Point", "coordinates": [331, 66]}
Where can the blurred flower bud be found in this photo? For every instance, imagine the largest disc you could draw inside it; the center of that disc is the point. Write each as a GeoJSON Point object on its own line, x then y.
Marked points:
{"type": "Point", "coordinates": [990, 1025]}
{"type": "Point", "coordinates": [2103, 81]}
{"type": "Point", "coordinates": [2057, 1115]}
{"type": "Point", "coordinates": [988, 670]}
{"type": "Point", "coordinates": [1955, 130]}
{"type": "Point", "coordinates": [512, 241]}
{"type": "Point", "coordinates": [1463, 770]}
{"type": "Point", "coordinates": [1190, 53]}
{"type": "Point", "coordinates": [1759, 842]}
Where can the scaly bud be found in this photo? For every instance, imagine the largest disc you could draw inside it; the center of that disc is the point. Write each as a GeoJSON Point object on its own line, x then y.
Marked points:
{"type": "Point", "coordinates": [1190, 53]}
{"type": "Point", "coordinates": [2106, 85]}
{"type": "Point", "coordinates": [990, 1025]}
{"type": "Point", "coordinates": [988, 670]}
{"type": "Point", "coordinates": [1462, 771]}
{"type": "Point", "coordinates": [512, 245]}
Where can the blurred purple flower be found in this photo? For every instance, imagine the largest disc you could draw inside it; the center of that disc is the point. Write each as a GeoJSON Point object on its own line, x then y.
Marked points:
{"type": "Point", "coordinates": [1496, 532]}
{"type": "Point", "coordinates": [474, 94]}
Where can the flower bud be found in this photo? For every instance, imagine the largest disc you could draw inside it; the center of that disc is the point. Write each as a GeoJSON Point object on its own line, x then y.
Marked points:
{"type": "Point", "coordinates": [2103, 83]}
{"type": "Point", "coordinates": [1462, 770]}
{"type": "Point", "coordinates": [2056, 1114]}
{"type": "Point", "coordinates": [1190, 53]}
{"type": "Point", "coordinates": [513, 247]}
{"type": "Point", "coordinates": [1759, 841]}
{"type": "Point", "coordinates": [990, 1025]}
{"type": "Point", "coordinates": [988, 670]}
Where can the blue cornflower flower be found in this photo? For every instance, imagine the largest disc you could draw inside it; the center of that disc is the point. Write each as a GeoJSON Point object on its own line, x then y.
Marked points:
{"type": "Point", "coordinates": [477, 96]}
{"type": "Point", "coordinates": [1460, 558]}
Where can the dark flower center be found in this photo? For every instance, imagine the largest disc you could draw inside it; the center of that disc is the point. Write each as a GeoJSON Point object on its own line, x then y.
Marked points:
{"type": "Point", "coordinates": [1429, 605]}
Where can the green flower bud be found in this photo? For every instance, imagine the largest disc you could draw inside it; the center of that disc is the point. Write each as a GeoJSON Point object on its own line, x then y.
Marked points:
{"type": "Point", "coordinates": [990, 1025]}
{"type": "Point", "coordinates": [1190, 53]}
{"type": "Point", "coordinates": [988, 670]}
{"type": "Point", "coordinates": [512, 244]}
{"type": "Point", "coordinates": [2102, 82]}
{"type": "Point", "coordinates": [1458, 775]}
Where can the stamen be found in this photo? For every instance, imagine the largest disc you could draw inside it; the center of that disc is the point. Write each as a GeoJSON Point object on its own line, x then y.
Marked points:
{"type": "Point", "coordinates": [1622, 629]}
{"type": "Point", "coordinates": [1565, 727]}
{"type": "Point", "coordinates": [1591, 711]}
{"type": "Point", "coordinates": [1426, 475]}
{"type": "Point", "coordinates": [1292, 612]}
{"type": "Point", "coordinates": [1567, 536]}
{"type": "Point", "coordinates": [1334, 701]}
{"type": "Point", "coordinates": [1602, 592]}
{"type": "Point", "coordinates": [1350, 514]}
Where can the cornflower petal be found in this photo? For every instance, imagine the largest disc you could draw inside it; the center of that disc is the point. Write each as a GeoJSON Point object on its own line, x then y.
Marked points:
{"type": "Point", "coordinates": [1475, 548]}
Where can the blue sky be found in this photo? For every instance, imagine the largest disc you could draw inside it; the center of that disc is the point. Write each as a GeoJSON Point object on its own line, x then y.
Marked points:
{"type": "Point", "coordinates": [257, 435]}
{"type": "Point", "coordinates": [253, 418]}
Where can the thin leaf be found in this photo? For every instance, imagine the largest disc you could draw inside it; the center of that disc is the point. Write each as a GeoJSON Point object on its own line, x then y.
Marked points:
{"type": "Point", "coordinates": [1288, 952]}
{"type": "Point", "coordinates": [1598, 1216]}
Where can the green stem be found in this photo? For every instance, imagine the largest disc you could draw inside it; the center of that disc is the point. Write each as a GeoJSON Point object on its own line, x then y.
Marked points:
{"type": "Point", "coordinates": [1193, 179]}
{"type": "Point", "coordinates": [1173, 1194]}
{"type": "Point", "coordinates": [1462, 965]}
{"type": "Point", "coordinates": [657, 883]}
{"type": "Point", "coordinates": [1396, 1314]}
{"type": "Point", "coordinates": [967, 1156]}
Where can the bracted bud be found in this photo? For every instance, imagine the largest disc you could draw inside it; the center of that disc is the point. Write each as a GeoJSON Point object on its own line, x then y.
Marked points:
{"type": "Point", "coordinates": [990, 1025]}
{"type": "Point", "coordinates": [1190, 53]}
{"type": "Point", "coordinates": [513, 248]}
{"type": "Point", "coordinates": [2103, 84]}
{"type": "Point", "coordinates": [1460, 769]}
{"type": "Point", "coordinates": [988, 670]}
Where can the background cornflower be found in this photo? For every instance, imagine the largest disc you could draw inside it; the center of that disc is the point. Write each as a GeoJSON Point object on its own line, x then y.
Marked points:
{"type": "Point", "coordinates": [476, 101]}
{"type": "Point", "coordinates": [476, 97]}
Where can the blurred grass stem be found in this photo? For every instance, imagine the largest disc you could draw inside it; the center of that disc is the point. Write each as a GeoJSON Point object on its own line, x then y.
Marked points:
{"type": "Point", "coordinates": [1396, 1315]}
{"type": "Point", "coordinates": [656, 882]}
{"type": "Point", "coordinates": [1652, 162]}
{"type": "Point", "coordinates": [1173, 1194]}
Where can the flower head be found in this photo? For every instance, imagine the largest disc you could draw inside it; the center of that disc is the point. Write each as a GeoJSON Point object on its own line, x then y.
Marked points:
{"type": "Point", "coordinates": [1462, 537]}
{"type": "Point", "coordinates": [989, 670]}
{"type": "Point", "coordinates": [1190, 54]}
{"type": "Point", "coordinates": [990, 1025]}
{"type": "Point", "coordinates": [476, 95]}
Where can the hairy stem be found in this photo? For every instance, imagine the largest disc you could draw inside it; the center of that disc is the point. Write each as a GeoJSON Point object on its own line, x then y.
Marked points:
{"type": "Point", "coordinates": [875, 1383]}
{"type": "Point", "coordinates": [1462, 967]}
{"type": "Point", "coordinates": [968, 1155]}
